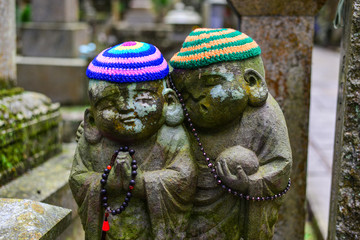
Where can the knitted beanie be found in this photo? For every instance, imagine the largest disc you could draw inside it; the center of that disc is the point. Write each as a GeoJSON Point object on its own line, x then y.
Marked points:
{"type": "Point", "coordinates": [129, 62]}
{"type": "Point", "coordinates": [205, 46]}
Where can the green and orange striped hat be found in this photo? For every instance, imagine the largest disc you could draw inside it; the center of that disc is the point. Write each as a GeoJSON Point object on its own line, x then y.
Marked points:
{"type": "Point", "coordinates": [205, 46]}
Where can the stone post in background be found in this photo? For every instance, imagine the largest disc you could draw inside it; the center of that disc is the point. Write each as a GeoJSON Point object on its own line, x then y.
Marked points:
{"type": "Point", "coordinates": [7, 44]}
{"type": "Point", "coordinates": [29, 121]}
{"type": "Point", "coordinates": [51, 62]}
{"type": "Point", "coordinates": [284, 31]}
{"type": "Point", "coordinates": [344, 221]}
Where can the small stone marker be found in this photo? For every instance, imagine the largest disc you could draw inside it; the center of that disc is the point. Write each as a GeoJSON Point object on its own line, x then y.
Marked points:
{"type": "Point", "coordinates": [27, 219]}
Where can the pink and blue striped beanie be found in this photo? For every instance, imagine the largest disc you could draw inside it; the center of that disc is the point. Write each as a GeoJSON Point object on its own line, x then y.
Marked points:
{"type": "Point", "coordinates": [127, 63]}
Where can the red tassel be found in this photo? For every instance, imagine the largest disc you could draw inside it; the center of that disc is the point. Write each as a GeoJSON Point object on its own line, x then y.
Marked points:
{"type": "Point", "coordinates": [106, 226]}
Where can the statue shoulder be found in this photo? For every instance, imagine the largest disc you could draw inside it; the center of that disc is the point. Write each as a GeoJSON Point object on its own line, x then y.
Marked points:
{"type": "Point", "coordinates": [173, 136]}
{"type": "Point", "coordinates": [268, 115]}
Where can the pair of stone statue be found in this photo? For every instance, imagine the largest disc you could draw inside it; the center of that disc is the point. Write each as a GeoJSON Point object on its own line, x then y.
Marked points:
{"type": "Point", "coordinates": [218, 128]}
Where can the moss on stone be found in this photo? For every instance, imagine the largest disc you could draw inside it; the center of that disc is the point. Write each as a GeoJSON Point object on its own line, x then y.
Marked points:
{"type": "Point", "coordinates": [29, 130]}
{"type": "Point", "coordinates": [10, 92]}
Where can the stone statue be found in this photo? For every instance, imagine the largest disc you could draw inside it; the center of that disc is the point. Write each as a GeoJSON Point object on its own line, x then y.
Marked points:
{"type": "Point", "coordinates": [220, 77]}
{"type": "Point", "coordinates": [131, 106]}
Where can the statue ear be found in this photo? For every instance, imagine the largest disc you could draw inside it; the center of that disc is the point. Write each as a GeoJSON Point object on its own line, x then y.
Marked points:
{"type": "Point", "coordinates": [257, 85]}
{"type": "Point", "coordinates": [91, 132]}
{"type": "Point", "coordinates": [172, 107]}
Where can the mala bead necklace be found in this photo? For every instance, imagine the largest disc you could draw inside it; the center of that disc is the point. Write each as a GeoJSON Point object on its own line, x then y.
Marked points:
{"type": "Point", "coordinates": [103, 192]}
{"type": "Point", "coordinates": [212, 166]}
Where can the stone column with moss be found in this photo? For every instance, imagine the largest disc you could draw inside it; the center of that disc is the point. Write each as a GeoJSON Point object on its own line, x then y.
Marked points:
{"type": "Point", "coordinates": [344, 222]}
{"type": "Point", "coordinates": [284, 30]}
{"type": "Point", "coordinates": [7, 44]}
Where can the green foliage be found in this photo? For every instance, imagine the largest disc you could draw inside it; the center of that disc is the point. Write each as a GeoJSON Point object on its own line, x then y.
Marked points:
{"type": "Point", "coordinates": [10, 92]}
{"type": "Point", "coordinates": [310, 232]}
{"type": "Point", "coordinates": [161, 6]}
{"type": "Point", "coordinates": [26, 14]}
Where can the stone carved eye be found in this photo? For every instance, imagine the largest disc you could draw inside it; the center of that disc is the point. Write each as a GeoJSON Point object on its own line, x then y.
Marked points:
{"type": "Point", "coordinates": [145, 98]}
{"type": "Point", "coordinates": [105, 104]}
{"type": "Point", "coordinates": [213, 80]}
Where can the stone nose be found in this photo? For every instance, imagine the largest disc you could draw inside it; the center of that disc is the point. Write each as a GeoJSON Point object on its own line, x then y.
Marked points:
{"type": "Point", "coordinates": [196, 95]}
{"type": "Point", "coordinates": [124, 106]}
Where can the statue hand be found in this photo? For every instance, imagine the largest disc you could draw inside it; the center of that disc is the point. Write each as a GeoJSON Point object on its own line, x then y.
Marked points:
{"type": "Point", "coordinates": [126, 172]}
{"type": "Point", "coordinates": [116, 179]}
{"type": "Point", "coordinates": [238, 181]}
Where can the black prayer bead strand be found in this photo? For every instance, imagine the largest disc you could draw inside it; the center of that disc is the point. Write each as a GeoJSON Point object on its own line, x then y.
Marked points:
{"type": "Point", "coordinates": [103, 181]}
{"type": "Point", "coordinates": [211, 165]}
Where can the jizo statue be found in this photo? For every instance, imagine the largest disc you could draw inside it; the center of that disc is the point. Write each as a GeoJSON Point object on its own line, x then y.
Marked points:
{"type": "Point", "coordinates": [240, 136]}
{"type": "Point", "coordinates": [133, 175]}
{"type": "Point", "coordinates": [139, 174]}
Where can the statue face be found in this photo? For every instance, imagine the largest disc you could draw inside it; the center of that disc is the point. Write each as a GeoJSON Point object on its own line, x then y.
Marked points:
{"type": "Point", "coordinates": [219, 93]}
{"type": "Point", "coordinates": [214, 95]}
{"type": "Point", "coordinates": [127, 111]}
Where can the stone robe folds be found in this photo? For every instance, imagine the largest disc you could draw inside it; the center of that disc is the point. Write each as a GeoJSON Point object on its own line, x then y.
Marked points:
{"type": "Point", "coordinates": [169, 181]}
{"type": "Point", "coordinates": [219, 215]}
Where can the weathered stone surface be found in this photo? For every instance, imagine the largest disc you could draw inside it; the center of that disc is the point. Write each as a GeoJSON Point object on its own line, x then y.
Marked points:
{"type": "Point", "coordinates": [29, 132]}
{"type": "Point", "coordinates": [62, 80]}
{"type": "Point", "coordinates": [54, 10]}
{"type": "Point", "coordinates": [54, 39]}
{"type": "Point", "coordinates": [27, 219]}
{"type": "Point", "coordinates": [48, 183]}
{"type": "Point", "coordinates": [147, 117]}
{"type": "Point", "coordinates": [243, 129]}
{"type": "Point", "coordinates": [7, 44]}
{"type": "Point", "coordinates": [344, 222]}
{"type": "Point", "coordinates": [277, 7]}
{"type": "Point", "coordinates": [42, 182]}
{"type": "Point", "coordinates": [286, 44]}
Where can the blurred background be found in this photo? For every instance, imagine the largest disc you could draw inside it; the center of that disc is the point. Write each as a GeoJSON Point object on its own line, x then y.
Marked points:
{"type": "Point", "coordinates": [56, 42]}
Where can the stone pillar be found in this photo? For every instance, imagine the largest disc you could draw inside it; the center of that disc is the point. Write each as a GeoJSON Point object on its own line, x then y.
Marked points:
{"type": "Point", "coordinates": [7, 44]}
{"type": "Point", "coordinates": [344, 221]}
{"type": "Point", "coordinates": [50, 47]}
{"type": "Point", "coordinates": [284, 31]}
{"type": "Point", "coordinates": [29, 122]}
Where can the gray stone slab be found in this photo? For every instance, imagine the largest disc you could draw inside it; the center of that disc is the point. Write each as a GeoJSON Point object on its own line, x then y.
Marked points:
{"type": "Point", "coordinates": [48, 183]}
{"type": "Point", "coordinates": [54, 10]}
{"type": "Point", "coordinates": [54, 39]}
{"type": "Point", "coordinates": [63, 80]}
{"type": "Point", "coordinates": [27, 219]}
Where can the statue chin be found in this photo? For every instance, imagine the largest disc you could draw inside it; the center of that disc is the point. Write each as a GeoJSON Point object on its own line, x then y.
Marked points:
{"type": "Point", "coordinates": [129, 136]}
